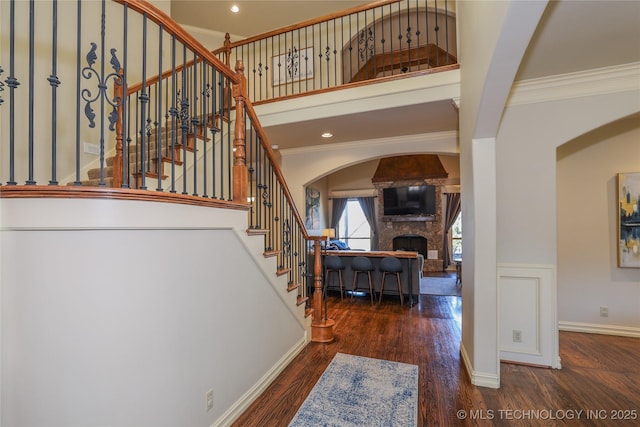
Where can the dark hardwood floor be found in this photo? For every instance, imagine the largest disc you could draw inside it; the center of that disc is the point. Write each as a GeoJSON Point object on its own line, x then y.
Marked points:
{"type": "Point", "coordinates": [600, 374]}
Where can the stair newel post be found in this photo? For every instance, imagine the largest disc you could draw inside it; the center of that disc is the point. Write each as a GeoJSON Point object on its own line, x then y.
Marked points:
{"type": "Point", "coordinates": [227, 50]}
{"type": "Point", "coordinates": [321, 327]}
{"type": "Point", "coordinates": [119, 94]}
{"type": "Point", "coordinates": [240, 171]}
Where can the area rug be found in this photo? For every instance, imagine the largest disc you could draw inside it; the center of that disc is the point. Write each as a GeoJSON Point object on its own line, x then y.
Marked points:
{"type": "Point", "coordinates": [433, 285]}
{"type": "Point", "coordinates": [360, 391]}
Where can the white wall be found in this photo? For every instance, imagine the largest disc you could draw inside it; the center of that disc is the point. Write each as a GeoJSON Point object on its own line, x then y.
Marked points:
{"type": "Point", "coordinates": [307, 165]}
{"type": "Point", "coordinates": [527, 217]}
{"type": "Point", "coordinates": [588, 276]}
{"type": "Point", "coordinates": [134, 311]}
{"type": "Point", "coordinates": [527, 142]}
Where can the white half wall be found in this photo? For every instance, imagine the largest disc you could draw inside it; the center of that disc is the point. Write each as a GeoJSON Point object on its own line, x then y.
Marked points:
{"type": "Point", "coordinates": [127, 313]}
{"type": "Point", "coordinates": [528, 318]}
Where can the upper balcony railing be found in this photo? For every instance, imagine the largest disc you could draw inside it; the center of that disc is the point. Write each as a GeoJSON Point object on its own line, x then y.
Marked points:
{"type": "Point", "coordinates": [383, 40]}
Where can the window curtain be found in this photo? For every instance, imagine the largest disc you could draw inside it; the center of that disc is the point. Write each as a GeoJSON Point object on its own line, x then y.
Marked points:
{"type": "Point", "coordinates": [451, 213]}
{"type": "Point", "coordinates": [338, 207]}
{"type": "Point", "coordinates": [368, 205]}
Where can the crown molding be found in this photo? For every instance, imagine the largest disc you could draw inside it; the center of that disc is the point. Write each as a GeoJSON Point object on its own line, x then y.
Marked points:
{"type": "Point", "coordinates": [446, 137]}
{"type": "Point", "coordinates": [600, 81]}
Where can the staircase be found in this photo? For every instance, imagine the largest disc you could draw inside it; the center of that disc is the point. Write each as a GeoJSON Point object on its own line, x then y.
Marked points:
{"type": "Point", "coordinates": [156, 166]}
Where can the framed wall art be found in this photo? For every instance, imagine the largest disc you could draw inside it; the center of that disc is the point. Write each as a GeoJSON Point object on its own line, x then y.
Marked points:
{"type": "Point", "coordinates": [312, 208]}
{"type": "Point", "coordinates": [629, 219]}
{"type": "Point", "coordinates": [292, 66]}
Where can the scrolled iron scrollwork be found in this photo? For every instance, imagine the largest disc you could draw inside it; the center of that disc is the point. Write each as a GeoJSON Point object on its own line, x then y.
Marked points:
{"type": "Point", "coordinates": [183, 112]}
{"type": "Point", "coordinates": [293, 62]}
{"type": "Point", "coordinates": [286, 237]}
{"type": "Point", "coordinates": [90, 72]}
{"type": "Point", "coordinates": [1, 86]}
{"type": "Point", "coordinates": [366, 43]}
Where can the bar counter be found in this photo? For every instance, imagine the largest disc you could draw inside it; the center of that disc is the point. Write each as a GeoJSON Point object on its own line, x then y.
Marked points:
{"type": "Point", "coordinates": [409, 276]}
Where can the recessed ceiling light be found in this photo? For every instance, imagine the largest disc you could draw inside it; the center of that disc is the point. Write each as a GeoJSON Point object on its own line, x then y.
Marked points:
{"type": "Point", "coordinates": [235, 8]}
{"type": "Point", "coordinates": [275, 146]}
{"type": "Point", "coordinates": [327, 135]}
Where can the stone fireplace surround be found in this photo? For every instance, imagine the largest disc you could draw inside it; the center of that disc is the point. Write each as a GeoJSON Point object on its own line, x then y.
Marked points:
{"type": "Point", "coordinates": [431, 229]}
{"type": "Point", "coordinates": [416, 169]}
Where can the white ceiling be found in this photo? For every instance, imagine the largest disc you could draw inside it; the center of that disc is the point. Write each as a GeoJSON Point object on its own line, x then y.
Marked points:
{"type": "Point", "coordinates": [573, 36]}
{"type": "Point", "coordinates": [250, 20]}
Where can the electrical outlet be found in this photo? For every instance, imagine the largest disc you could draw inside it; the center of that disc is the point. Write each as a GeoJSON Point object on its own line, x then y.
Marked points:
{"type": "Point", "coordinates": [604, 311]}
{"type": "Point", "coordinates": [91, 148]}
{"type": "Point", "coordinates": [517, 336]}
{"type": "Point", "coordinates": [209, 400]}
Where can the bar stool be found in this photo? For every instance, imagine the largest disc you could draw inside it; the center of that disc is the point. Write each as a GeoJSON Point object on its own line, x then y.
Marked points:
{"type": "Point", "coordinates": [361, 264]}
{"type": "Point", "coordinates": [333, 264]}
{"type": "Point", "coordinates": [391, 265]}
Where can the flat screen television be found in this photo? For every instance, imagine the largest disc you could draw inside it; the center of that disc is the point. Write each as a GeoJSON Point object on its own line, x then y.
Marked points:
{"type": "Point", "coordinates": [409, 200]}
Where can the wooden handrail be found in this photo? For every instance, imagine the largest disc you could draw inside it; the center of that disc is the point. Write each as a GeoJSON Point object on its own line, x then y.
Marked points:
{"type": "Point", "coordinates": [171, 27]}
{"type": "Point", "coordinates": [306, 23]}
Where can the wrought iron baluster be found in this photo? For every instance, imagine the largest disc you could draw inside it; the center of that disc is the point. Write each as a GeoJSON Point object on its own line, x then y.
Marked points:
{"type": "Point", "coordinates": [125, 105]}
{"type": "Point", "coordinates": [335, 55]}
{"type": "Point", "coordinates": [327, 52]}
{"type": "Point", "coordinates": [1, 86]}
{"type": "Point", "coordinates": [223, 111]}
{"type": "Point", "coordinates": [400, 36]}
{"type": "Point", "coordinates": [374, 42]}
{"type": "Point", "coordinates": [446, 27]}
{"type": "Point", "coordinates": [12, 83]}
{"type": "Point", "coordinates": [195, 122]}
{"type": "Point", "coordinates": [101, 96]}
{"type": "Point", "coordinates": [409, 37]}
{"type": "Point", "coordinates": [306, 60]}
{"type": "Point", "coordinates": [229, 145]}
{"type": "Point", "coordinates": [30, 180]}
{"type": "Point", "coordinates": [206, 93]}
{"type": "Point", "coordinates": [250, 172]}
{"type": "Point", "coordinates": [54, 82]}
{"type": "Point", "coordinates": [173, 112]}
{"type": "Point", "coordinates": [158, 125]}
{"type": "Point", "coordinates": [184, 117]}
{"type": "Point", "coordinates": [383, 42]}
{"type": "Point", "coordinates": [436, 29]}
{"type": "Point", "coordinates": [216, 78]}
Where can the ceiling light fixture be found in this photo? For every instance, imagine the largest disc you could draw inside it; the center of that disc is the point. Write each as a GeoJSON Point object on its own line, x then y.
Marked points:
{"type": "Point", "coordinates": [327, 135]}
{"type": "Point", "coordinates": [235, 9]}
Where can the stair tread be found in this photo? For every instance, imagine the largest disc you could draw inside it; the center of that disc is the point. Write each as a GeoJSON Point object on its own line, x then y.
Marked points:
{"type": "Point", "coordinates": [292, 286]}
{"type": "Point", "coordinates": [282, 271]}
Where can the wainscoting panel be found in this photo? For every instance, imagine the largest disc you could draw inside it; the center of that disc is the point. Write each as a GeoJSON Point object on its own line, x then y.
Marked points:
{"type": "Point", "coordinates": [528, 314]}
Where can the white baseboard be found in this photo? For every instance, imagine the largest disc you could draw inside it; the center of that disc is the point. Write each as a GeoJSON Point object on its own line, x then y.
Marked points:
{"type": "Point", "coordinates": [594, 328]}
{"type": "Point", "coordinates": [479, 379]}
{"type": "Point", "coordinates": [252, 394]}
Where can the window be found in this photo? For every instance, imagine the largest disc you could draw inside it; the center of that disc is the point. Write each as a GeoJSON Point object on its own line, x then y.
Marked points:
{"type": "Point", "coordinates": [456, 238]}
{"type": "Point", "coordinates": [353, 228]}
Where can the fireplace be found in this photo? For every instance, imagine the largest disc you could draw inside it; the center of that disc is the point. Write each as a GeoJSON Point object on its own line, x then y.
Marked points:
{"type": "Point", "coordinates": [411, 242]}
